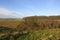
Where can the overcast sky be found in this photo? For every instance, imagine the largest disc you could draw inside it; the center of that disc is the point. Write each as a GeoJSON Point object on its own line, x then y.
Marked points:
{"type": "Point", "coordinates": [22, 8]}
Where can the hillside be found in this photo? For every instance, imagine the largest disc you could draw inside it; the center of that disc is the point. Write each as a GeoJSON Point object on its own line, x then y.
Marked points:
{"type": "Point", "coordinates": [32, 22]}
{"type": "Point", "coordinates": [30, 28]}
{"type": "Point", "coordinates": [40, 22]}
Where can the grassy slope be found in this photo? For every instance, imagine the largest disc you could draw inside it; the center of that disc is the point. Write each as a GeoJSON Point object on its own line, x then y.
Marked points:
{"type": "Point", "coordinates": [36, 35]}
{"type": "Point", "coordinates": [42, 35]}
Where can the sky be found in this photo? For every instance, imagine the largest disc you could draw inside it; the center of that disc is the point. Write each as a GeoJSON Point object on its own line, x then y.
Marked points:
{"type": "Point", "coordinates": [23, 8]}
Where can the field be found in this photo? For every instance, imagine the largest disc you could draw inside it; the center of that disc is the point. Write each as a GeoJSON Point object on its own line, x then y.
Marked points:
{"type": "Point", "coordinates": [52, 34]}
{"type": "Point", "coordinates": [42, 35]}
{"type": "Point", "coordinates": [30, 28]}
{"type": "Point", "coordinates": [11, 23]}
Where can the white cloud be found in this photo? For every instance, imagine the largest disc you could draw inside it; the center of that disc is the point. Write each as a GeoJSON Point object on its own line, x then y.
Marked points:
{"type": "Point", "coordinates": [5, 13]}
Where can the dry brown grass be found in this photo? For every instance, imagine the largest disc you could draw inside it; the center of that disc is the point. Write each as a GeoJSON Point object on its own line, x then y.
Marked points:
{"type": "Point", "coordinates": [9, 23]}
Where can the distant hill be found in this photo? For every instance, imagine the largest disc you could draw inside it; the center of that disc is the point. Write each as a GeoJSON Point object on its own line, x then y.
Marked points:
{"type": "Point", "coordinates": [40, 22]}
{"type": "Point", "coordinates": [32, 22]}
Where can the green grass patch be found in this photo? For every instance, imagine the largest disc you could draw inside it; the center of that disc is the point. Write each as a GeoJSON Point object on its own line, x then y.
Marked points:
{"type": "Point", "coordinates": [42, 35]}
